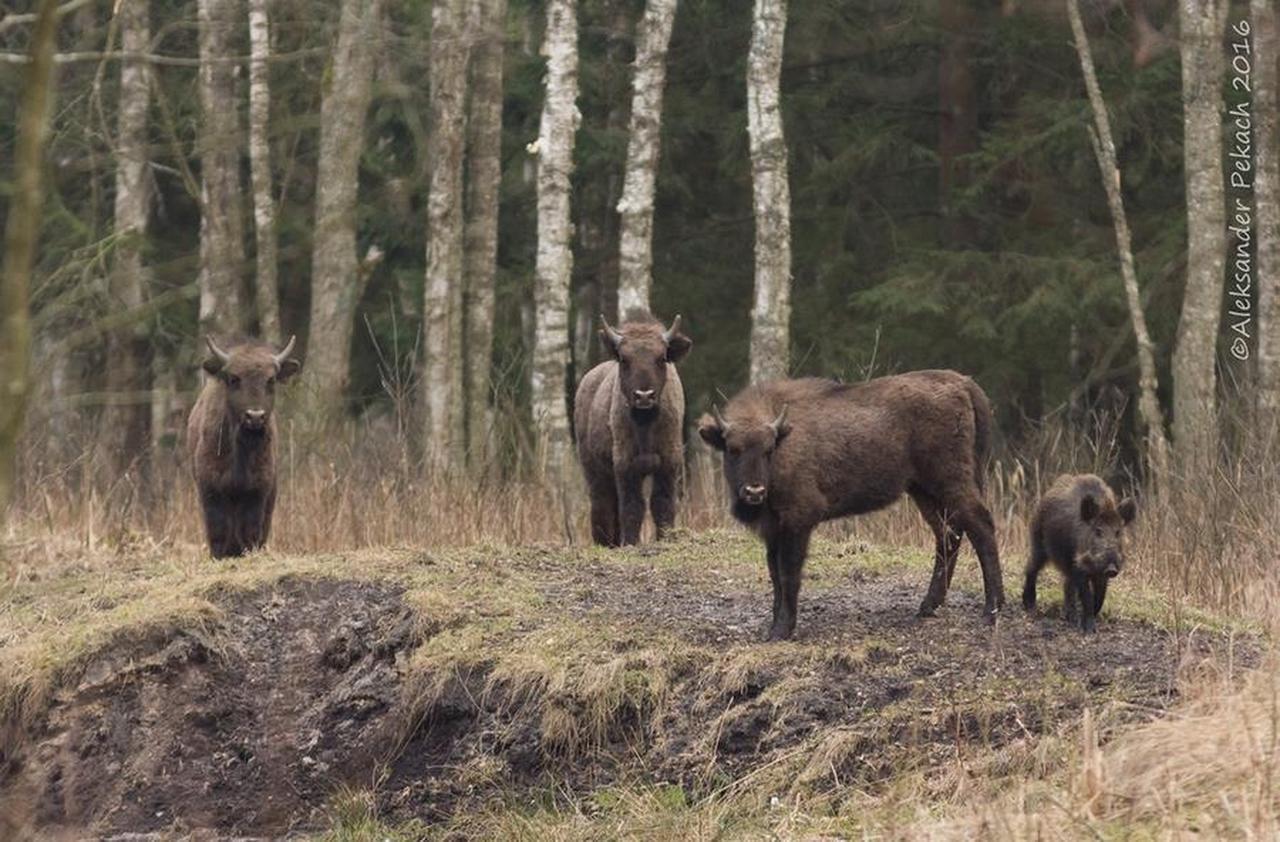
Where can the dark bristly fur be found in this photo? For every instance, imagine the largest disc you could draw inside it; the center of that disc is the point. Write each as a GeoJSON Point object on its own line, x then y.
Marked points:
{"type": "Point", "coordinates": [1078, 526]}
{"type": "Point", "coordinates": [231, 437]}
{"type": "Point", "coordinates": [800, 452]}
{"type": "Point", "coordinates": [627, 417]}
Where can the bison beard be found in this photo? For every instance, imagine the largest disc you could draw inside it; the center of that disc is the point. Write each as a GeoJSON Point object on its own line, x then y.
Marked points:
{"type": "Point", "coordinates": [800, 452]}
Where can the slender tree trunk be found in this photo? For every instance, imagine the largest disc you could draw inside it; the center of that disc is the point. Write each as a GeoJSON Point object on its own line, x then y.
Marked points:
{"type": "Point", "coordinates": [635, 277]}
{"type": "Point", "coordinates": [126, 426]}
{"type": "Point", "coordinates": [222, 308]}
{"type": "Point", "coordinates": [1104, 149]}
{"type": "Point", "coordinates": [1194, 376]}
{"type": "Point", "coordinates": [336, 279]}
{"type": "Point", "coordinates": [1266, 191]}
{"type": "Point", "coordinates": [480, 246]}
{"type": "Point", "coordinates": [771, 313]}
{"type": "Point", "coordinates": [22, 230]}
{"type": "Point", "coordinates": [264, 209]}
{"type": "Point", "coordinates": [958, 116]}
{"type": "Point", "coordinates": [554, 263]}
{"type": "Point", "coordinates": [443, 399]}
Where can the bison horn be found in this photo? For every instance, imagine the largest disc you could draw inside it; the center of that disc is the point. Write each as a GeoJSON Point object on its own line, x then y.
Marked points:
{"type": "Point", "coordinates": [614, 336]}
{"type": "Point", "coordinates": [778, 422]}
{"type": "Point", "coordinates": [724, 425]}
{"type": "Point", "coordinates": [222, 355]}
{"type": "Point", "coordinates": [284, 355]}
{"type": "Point", "coordinates": [673, 330]}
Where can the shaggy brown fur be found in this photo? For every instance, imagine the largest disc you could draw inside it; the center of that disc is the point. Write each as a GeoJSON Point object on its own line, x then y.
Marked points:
{"type": "Point", "coordinates": [800, 452]}
{"type": "Point", "coordinates": [231, 437]}
{"type": "Point", "coordinates": [628, 418]}
{"type": "Point", "coordinates": [1079, 526]}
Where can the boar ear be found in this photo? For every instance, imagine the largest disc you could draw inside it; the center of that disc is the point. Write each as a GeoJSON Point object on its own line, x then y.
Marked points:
{"type": "Point", "coordinates": [288, 368]}
{"type": "Point", "coordinates": [677, 346]}
{"type": "Point", "coordinates": [1128, 509]}
{"type": "Point", "coordinates": [1088, 509]}
{"type": "Point", "coordinates": [711, 431]}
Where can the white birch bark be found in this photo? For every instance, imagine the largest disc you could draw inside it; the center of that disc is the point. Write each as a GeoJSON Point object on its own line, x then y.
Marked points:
{"type": "Point", "coordinates": [1194, 377]}
{"type": "Point", "coordinates": [125, 426]}
{"type": "Point", "coordinates": [554, 262]}
{"type": "Point", "coordinates": [442, 378]}
{"type": "Point", "coordinates": [484, 176]}
{"type": "Point", "coordinates": [1266, 193]}
{"type": "Point", "coordinates": [771, 195]}
{"type": "Point", "coordinates": [336, 279]}
{"type": "Point", "coordinates": [635, 276]}
{"type": "Point", "coordinates": [264, 211]}
{"type": "Point", "coordinates": [222, 309]}
{"type": "Point", "coordinates": [1104, 149]}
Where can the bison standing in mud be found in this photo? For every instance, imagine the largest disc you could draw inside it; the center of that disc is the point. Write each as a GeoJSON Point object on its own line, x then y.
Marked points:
{"type": "Point", "coordinates": [231, 441]}
{"type": "Point", "coordinates": [1079, 526]}
{"type": "Point", "coordinates": [800, 452]}
{"type": "Point", "coordinates": [628, 418]}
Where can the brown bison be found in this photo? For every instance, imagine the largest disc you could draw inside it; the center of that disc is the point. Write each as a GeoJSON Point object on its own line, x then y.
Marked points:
{"type": "Point", "coordinates": [231, 440]}
{"type": "Point", "coordinates": [628, 418]}
{"type": "Point", "coordinates": [1079, 526]}
{"type": "Point", "coordinates": [800, 452]}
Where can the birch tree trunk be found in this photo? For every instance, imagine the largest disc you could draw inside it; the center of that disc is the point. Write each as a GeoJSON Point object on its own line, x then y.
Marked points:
{"type": "Point", "coordinates": [1104, 149]}
{"type": "Point", "coordinates": [480, 246]}
{"type": "Point", "coordinates": [222, 309]}
{"type": "Point", "coordinates": [264, 210]}
{"type": "Point", "coordinates": [635, 278]}
{"type": "Point", "coordinates": [126, 425]}
{"type": "Point", "coordinates": [771, 195]}
{"type": "Point", "coordinates": [1266, 191]}
{"type": "Point", "coordinates": [22, 230]}
{"type": "Point", "coordinates": [554, 262]}
{"type": "Point", "coordinates": [1194, 377]}
{"type": "Point", "coordinates": [336, 279]}
{"type": "Point", "coordinates": [443, 399]}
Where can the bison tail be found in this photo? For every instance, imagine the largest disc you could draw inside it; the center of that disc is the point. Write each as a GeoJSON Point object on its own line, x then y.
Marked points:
{"type": "Point", "coordinates": [982, 424]}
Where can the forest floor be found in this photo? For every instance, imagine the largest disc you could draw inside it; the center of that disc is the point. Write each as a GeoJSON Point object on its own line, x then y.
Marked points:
{"type": "Point", "coordinates": [573, 693]}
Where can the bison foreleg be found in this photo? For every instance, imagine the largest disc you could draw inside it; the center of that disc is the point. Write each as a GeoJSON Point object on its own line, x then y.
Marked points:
{"type": "Point", "coordinates": [946, 548]}
{"type": "Point", "coordinates": [792, 549]}
{"type": "Point", "coordinates": [604, 513]}
{"type": "Point", "coordinates": [662, 501]}
{"type": "Point", "coordinates": [219, 526]}
{"type": "Point", "coordinates": [631, 506]}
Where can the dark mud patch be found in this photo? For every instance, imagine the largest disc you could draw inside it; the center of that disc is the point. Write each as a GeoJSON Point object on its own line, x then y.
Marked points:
{"type": "Point", "coordinates": [248, 739]}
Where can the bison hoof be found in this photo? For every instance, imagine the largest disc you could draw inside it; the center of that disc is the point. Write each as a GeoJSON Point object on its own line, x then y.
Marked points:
{"type": "Point", "coordinates": [991, 617]}
{"type": "Point", "coordinates": [927, 609]}
{"type": "Point", "coordinates": [778, 633]}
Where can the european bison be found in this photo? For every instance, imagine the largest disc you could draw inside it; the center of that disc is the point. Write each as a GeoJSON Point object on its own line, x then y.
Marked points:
{"type": "Point", "coordinates": [231, 440]}
{"type": "Point", "coordinates": [1079, 526]}
{"type": "Point", "coordinates": [800, 452]}
{"type": "Point", "coordinates": [628, 418]}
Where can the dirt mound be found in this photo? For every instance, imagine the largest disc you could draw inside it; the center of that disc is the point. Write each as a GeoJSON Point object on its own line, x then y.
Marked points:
{"type": "Point", "coordinates": [566, 675]}
{"type": "Point", "coordinates": [248, 737]}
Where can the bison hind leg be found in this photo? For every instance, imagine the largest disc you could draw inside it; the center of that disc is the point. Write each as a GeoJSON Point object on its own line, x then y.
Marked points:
{"type": "Point", "coordinates": [946, 549]}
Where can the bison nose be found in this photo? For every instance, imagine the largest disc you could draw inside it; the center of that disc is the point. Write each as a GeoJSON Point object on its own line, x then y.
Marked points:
{"type": "Point", "coordinates": [753, 494]}
{"type": "Point", "coordinates": [255, 417]}
{"type": "Point", "coordinates": [644, 397]}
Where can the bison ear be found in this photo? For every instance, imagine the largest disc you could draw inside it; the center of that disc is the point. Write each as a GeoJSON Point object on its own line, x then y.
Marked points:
{"type": "Point", "coordinates": [288, 369]}
{"type": "Point", "coordinates": [213, 365]}
{"type": "Point", "coordinates": [1128, 509]}
{"type": "Point", "coordinates": [677, 347]}
{"type": "Point", "coordinates": [1088, 509]}
{"type": "Point", "coordinates": [711, 432]}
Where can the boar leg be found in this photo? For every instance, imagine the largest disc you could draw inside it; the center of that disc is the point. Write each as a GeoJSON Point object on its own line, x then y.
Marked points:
{"type": "Point", "coordinates": [975, 519]}
{"type": "Point", "coordinates": [1070, 600]}
{"type": "Point", "coordinates": [604, 513]}
{"type": "Point", "coordinates": [1084, 587]}
{"type": "Point", "coordinates": [793, 546]}
{"type": "Point", "coordinates": [1034, 566]}
{"type": "Point", "coordinates": [1099, 594]}
{"type": "Point", "coordinates": [662, 500]}
{"type": "Point", "coordinates": [631, 506]}
{"type": "Point", "coordinates": [946, 549]}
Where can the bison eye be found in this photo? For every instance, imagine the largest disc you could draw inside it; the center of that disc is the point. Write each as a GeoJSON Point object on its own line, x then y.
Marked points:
{"type": "Point", "coordinates": [233, 381]}
{"type": "Point", "coordinates": [271, 382]}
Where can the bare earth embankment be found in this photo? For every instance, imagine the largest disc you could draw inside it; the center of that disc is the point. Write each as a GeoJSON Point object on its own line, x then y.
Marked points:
{"type": "Point", "coordinates": [572, 693]}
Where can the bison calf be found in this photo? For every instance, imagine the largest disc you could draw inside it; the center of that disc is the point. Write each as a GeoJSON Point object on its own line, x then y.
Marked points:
{"type": "Point", "coordinates": [1079, 526]}
{"type": "Point", "coordinates": [231, 441]}
{"type": "Point", "coordinates": [628, 417]}
{"type": "Point", "coordinates": [800, 452]}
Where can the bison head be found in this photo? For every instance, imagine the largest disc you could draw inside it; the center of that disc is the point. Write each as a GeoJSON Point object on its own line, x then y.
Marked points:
{"type": "Point", "coordinates": [249, 374]}
{"type": "Point", "coordinates": [642, 349]}
{"type": "Point", "coordinates": [748, 447]}
{"type": "Point", "coordinates": [1100, 534]}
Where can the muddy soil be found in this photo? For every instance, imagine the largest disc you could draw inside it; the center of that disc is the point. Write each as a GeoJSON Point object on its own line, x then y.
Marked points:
{"type": "Point", "coordinates": [306, 691]}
